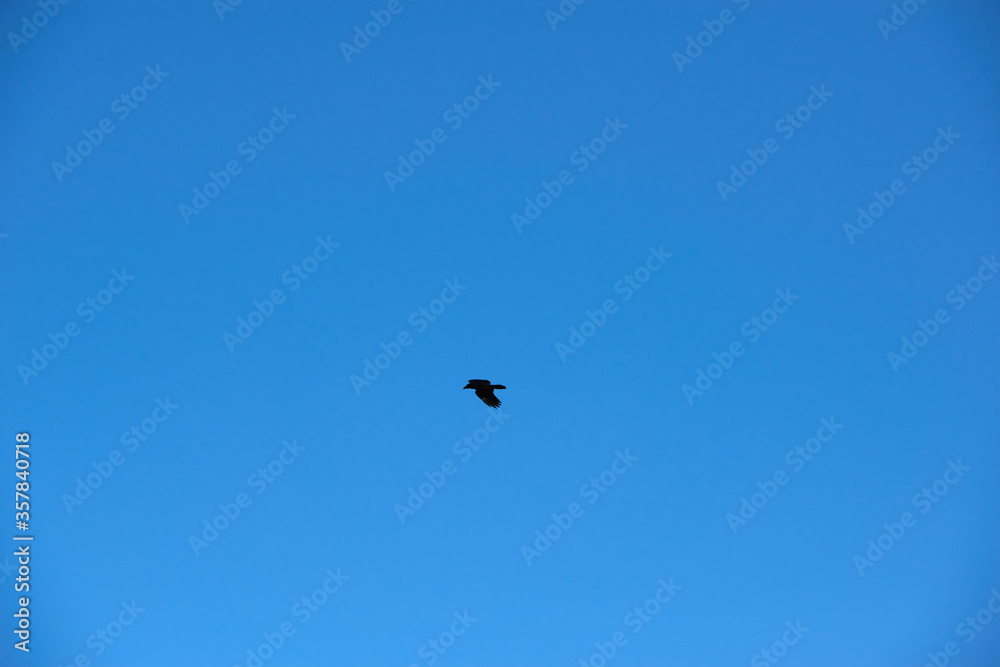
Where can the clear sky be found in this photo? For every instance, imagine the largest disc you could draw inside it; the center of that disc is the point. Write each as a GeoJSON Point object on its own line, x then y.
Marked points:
{"type": "Point", "coordinates": [251, 256]}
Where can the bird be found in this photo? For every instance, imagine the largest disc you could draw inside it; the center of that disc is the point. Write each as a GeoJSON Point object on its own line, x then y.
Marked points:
{"type": "Point", "coordinates": [484, 390]}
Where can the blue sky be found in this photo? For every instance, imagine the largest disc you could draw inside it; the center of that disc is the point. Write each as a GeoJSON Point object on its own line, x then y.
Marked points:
{"type": "Point", "coordinates": [740, 427]}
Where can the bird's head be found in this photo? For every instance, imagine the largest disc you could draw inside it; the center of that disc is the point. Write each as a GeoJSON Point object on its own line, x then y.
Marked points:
{"type": "Point", "coordinates": [468, 386]}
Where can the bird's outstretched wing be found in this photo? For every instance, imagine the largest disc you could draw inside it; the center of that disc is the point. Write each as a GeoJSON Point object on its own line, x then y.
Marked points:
{"type": "Point", "coordinates": [488, 397]}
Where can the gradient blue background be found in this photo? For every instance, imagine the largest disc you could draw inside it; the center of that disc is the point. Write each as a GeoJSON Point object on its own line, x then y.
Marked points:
{"type": "Point", "coordinates": [162, 336]}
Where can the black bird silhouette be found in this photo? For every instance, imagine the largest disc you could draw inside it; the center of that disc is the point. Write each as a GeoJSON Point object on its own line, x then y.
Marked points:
{"type": "Point", "coordinates": [484, 390]}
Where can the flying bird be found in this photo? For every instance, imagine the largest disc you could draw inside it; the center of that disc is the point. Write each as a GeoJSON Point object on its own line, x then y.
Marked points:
{"type": "Point", "coordinates": [484, 390]}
